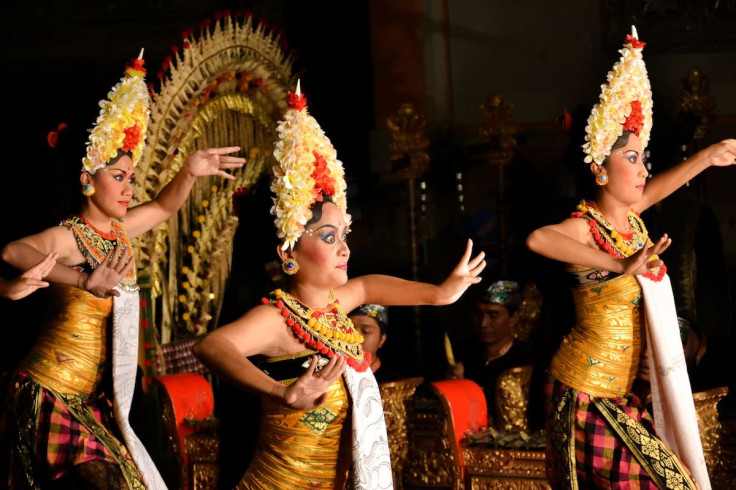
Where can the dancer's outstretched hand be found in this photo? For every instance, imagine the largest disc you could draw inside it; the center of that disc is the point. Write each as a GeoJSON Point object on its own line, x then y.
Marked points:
{"type": "Point", "coordinates": [462, 276]}
{"type": "Point", "coordinates": [721, 154]}
{"type": "Point", "coordinates": [214, 161]}
{"type": "Point", "coordinates": [30, 280]}
{"type": "Point", "coordinates": [108, 273]}
{"type": "Point", "coordinates": [641, 262]}
{"type": "Point", "coordinates": [309, 391]}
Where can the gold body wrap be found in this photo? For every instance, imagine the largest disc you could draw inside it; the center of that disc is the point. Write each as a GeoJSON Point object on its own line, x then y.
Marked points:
{"type": "Point", "coordinates": [70, 353]}
{"type": "Point", "coordinates": [600, 356]}
{"type": "Point", "coordinates": [302, 449]}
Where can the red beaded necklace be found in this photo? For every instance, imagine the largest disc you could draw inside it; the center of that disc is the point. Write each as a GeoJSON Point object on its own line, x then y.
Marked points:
{"type": "Point", "coordinates": [614, 242]}
{"type": "Point", "coordinates": [327, 331]}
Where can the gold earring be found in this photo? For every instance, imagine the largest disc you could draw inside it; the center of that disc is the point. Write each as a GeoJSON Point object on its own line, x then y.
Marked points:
{"type": "Point", "coordinates": [601, 178]}
{"type": "Point", "coordinates": [290, 266]}
{"type": "Point", "coordinates": [88, 190]}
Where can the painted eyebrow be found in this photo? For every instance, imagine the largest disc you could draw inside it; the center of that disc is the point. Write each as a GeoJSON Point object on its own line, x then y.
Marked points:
{"type": "Point", "coordinates": [327, 226]}
{"type": "Point", "coordinates": [119, 170]}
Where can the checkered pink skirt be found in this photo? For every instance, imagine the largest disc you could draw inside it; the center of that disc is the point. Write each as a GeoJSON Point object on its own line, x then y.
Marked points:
{"type": "Point", "coordinates": [606, 443]}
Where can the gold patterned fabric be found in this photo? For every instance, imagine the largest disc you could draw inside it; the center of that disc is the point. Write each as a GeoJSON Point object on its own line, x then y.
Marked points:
{"type": "Point", "coordinates": [600, 356]}
{"type": "Point", "coordinates": [302, 449]}
{"type": "Point", "coordinates": [71, 351]}
{"type": "Point", "coordinates": [59, 414]}
{"type": "Point", "coordinates": [606, 443]}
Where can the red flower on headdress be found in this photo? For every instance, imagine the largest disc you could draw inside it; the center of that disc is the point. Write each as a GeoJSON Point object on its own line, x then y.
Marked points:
{"type": "Point", "coordinates": [136, 65]}
{"type": "Point", "coordinates": [324, 183]}
{"type": "Point", "coordinates": [132, 137]}
{"type": "Point", "coordinates": [635, 121]}
{"type": "Point", "coordinates": [635, 43]}
{"type": "Point", "coordinates": [297, 102]}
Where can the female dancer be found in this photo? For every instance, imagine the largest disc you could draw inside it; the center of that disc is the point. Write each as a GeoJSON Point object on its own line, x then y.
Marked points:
{"type": "Point", "coordinates": [598, 433]}
{"type": "Point", "coordinates": [322, 411]}
{"type": "Point", "coordinates": [72, 393]}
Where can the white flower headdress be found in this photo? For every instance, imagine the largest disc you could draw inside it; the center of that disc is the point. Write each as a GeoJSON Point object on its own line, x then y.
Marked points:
{"type": "Point", "coordinates": [625, 103]}
{"type": "Point", "coordinates": [308, 170]}
{"type": "Point", "coordinates": [123, 120]}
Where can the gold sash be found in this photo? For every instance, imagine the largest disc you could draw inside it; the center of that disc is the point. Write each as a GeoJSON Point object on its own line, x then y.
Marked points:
{"type": "Point", "coordinates": [600, 356]}
{"type": "Point", "coordinates": [302, 449]}
{"type": "Point", "coordinates": [70, 353]}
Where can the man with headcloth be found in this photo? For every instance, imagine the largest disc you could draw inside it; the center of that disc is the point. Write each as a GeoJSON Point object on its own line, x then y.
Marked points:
{"type": "Point", "coordinates": [495, 349]}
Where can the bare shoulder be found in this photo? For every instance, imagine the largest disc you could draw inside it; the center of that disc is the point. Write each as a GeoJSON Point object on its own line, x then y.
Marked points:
{"type": "Point", "coordinates": [261, 316]}
{"type": "Point", "coordinates": [575, 228]}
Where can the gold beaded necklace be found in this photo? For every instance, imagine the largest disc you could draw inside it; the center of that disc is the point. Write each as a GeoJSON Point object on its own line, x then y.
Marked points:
{"type": "Point", "coordinates": [328, 331]}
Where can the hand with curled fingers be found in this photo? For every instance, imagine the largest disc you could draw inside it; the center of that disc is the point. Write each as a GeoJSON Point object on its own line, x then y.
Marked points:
{"type": "Point", "coordinates": [462, 276]}
{"type": "Point", "coordinates": [721, 154]}
{"type": "Point", "coordinates": [116, 265]}
{"type": "Point", "coordinates": [30, 280]}
{"type": "Point", "coordinates": [214, 161]}
{"type": "Point", "coordinates": [647, 258]}
{"type": "Point", "coordinates": [309, 391]}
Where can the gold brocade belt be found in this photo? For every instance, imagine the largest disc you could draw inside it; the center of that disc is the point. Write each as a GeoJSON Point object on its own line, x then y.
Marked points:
{"type": "Point", "coordinates": [70, 353]}
{"type": "Point", "coordinates": [302, 449]}
{"type": "Point", "coordinates": [600, 356]}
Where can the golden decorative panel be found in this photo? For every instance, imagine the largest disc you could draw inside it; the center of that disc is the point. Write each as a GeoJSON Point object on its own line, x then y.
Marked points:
{"type": "Point", "coordinates": [226, 88]}
{"type": "Point", "coordinates": [396, 396]}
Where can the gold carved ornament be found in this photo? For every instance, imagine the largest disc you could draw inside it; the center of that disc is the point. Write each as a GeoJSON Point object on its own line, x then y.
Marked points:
{"type": "Point", "coordinates": [395, 397]}
{"type": "Point", "coordinates": [697, 102]}
{"type": "Point", "coordinates": [409, 155]}
{"type": "Point", "coordinates": [498, 130]}
{"type": "Point", "coordinates": [512, 398]}
{"type": "Point", "coordinates": [721, 461]}
{"type": "Point", "coordinates": [225, 87]}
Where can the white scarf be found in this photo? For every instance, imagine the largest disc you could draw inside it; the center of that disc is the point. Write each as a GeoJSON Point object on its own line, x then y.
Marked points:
{"type": "Point", "coordinates": [125, 325]}
{"type": "Point", "coordinates": [672, 399]}
{"type": "Point", "coordinates": [371, 459]}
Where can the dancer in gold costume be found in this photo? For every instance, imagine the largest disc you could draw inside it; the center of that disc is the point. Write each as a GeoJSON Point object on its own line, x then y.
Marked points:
{"type": "Point", "coordinates": [599, 434]}
{"type": "Point", "coordinates": [323, 421]}
{"type": "Point", "coordinates": [67, 423]}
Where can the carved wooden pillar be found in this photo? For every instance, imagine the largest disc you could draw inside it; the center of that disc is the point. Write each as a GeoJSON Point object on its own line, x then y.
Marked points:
{"type": "Point", "coordinates": [498, 131]}
{"type": "Point", "coordinates": [409, 160]}
{"type": "Point", "coordinates": [697, 106]}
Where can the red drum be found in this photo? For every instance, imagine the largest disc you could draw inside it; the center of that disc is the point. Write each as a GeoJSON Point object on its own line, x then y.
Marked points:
{"type": "Point", "coordinates": [191, 400]}
{"type": "Point", "coordinates": [465, 404]}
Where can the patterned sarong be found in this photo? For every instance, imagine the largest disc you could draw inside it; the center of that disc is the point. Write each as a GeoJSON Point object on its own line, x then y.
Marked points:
{"type": "Point", "coordinates": [606, 443]}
